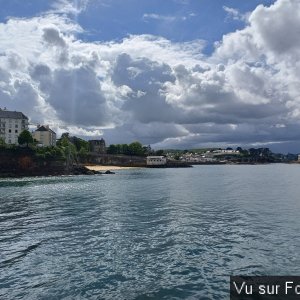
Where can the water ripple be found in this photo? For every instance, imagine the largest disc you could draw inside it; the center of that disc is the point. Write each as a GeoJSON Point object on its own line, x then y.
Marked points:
{"type": "Point", "coordinates": [147, 234]}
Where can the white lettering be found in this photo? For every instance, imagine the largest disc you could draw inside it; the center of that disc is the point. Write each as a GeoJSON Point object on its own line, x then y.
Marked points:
{"type": "Point", "coordinates": [297, 289]}
{"type": "Point", "coordinates": [272, 289]}
{"type": "Point", "coordinates": [287, 286]}
{"type": "Point", "coordinates": [262, 290]}
{"type": "Point", "coordinates": [249, 292]}
{"type": "Point", "coordinates": [237, 289]}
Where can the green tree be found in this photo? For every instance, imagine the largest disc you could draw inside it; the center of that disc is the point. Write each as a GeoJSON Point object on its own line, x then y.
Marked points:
{"type": "Point", "coordinates": [2, 142]}
{"type": "Point", "coordinates": [63, 141]}
{"type": "Point", "coordinates": [159, 152]}
{"type": "Point", "coordinates": [112, 149]}
{"type": "Point", "coordinates": [136, 148]}
{"type": "Point", "coordinates": [83, 153]}
{"type": "Point", "coordinates": [125, 149]}
{"type": "Point", "coordinates": [25, 137]}
{"type": "Point", "coordinates": [80, 143]}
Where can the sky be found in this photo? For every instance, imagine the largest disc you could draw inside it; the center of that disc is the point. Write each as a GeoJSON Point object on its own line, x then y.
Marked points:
{"type": "Point", "coordinates": [172, 74]}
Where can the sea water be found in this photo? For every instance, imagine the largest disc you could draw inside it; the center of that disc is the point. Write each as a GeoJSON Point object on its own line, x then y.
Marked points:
{"type": "Point", "coordinates": [148, 233]}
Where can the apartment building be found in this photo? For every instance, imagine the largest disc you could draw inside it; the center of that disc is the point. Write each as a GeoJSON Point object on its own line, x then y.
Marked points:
{"type": "Point", "coordinates": [98, 146]}
{"type": "Point", "coordinates": [12, 123]}
{"type": "Point", "coordinates": [44, 135]}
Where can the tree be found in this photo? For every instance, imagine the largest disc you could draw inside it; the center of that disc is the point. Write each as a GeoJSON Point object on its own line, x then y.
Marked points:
{"type": "Point", "coordinates": [2, 142]}
{"type": "Point", "coordinates": [159, 152]}
{"type": "Point", "coordinates": [80, 143]}
{"type": "Point", "coordinates": [147, 150]}
{"type": "Point", "coordinates": [25, 137]}
{"type": "Point", "coordinates": [112, 149]}
{"type": "Point", "coordinates": [83, 153]}
{"type": "Point", "coordinates": [136, 148]}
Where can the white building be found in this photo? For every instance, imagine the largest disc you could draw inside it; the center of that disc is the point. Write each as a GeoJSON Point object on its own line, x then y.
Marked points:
{"type": "Point", "coordinates": [156, 160]}
{"type": "Point", "coordinates": [12, 123]}
{"type": "Point", "coordinates": [45, 136]}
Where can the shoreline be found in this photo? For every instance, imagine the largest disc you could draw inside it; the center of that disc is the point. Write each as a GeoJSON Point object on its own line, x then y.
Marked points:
{"type": "Point", "coordinates": [107, 168]}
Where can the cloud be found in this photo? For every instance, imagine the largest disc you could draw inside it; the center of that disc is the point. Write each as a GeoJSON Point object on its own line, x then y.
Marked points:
{"type": "Point", "coordinates": [71, 7]}
{"type": "Point", "coordinates": [159, 17]}
{"type": "Point", "coordinates": [166, 18]}
{"type": "Point", "coordinates": [277, 28]}
{"type": "Point", "coordinates": [53, 37]}
{"type": "Point", "coordinates": [234, 14]}
{"type": "Point", "coordinates": [154, 90]}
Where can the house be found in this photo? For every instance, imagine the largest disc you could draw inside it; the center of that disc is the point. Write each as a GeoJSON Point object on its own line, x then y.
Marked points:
{"type": "Point", "coordinates": [44, 135]}
{"type": "Point", "coordinates": [12, 123]}
{"type": "Point", "coordinates": [156, 160]}
{"type": "Point", "coordinates": [98, 146]}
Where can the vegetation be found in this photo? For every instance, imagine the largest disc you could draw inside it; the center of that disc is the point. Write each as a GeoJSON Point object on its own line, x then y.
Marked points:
{"type": "Point", "coordinates": [69, 149]}
{"type": "Point", "coordinates": [25, 137]}
{"type": "Point", "coordinates": [2, 143]}
{"type": "Point", "coordinates": [134, 148]}
{"type": "Point", "coordinates": [49, 153]}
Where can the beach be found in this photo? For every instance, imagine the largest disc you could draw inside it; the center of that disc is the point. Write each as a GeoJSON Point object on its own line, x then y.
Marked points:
{"type": "Point", "coordinates": [106, 168]}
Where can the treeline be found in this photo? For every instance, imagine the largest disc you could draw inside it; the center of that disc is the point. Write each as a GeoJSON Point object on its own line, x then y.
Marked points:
{"type": "Point", "coordinates": [72, 148]}
{"type": "Point", "coordinates": [135, 148]}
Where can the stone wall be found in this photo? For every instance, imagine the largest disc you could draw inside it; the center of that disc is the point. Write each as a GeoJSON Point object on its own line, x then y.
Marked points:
{"type": "Point", "coordinates": [117, 160]}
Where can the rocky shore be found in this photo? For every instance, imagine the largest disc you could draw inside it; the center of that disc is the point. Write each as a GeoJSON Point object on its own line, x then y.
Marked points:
{"type": "Point", "coordinates": [24, 163]}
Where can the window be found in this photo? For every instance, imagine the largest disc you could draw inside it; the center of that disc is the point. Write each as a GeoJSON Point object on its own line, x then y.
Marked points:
{"type": "Point", "coordinates": [16, 126]}
{"type": "Point", "coordinates": [9, 130]}
{"type": "Point", "coordinates": [16, 131]}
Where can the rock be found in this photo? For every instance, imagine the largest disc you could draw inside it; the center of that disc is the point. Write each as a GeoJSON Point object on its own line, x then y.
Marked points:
{"type": "Point", "coordinates": [109, 172]}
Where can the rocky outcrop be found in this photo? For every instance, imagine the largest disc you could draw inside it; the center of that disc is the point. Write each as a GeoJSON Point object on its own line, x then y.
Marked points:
{"type": "Point", "coordinates": [21, 162]}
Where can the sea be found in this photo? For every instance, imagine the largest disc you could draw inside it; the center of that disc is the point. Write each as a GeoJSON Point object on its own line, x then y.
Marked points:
{"type": "Point", "coordinates": [148, 233]}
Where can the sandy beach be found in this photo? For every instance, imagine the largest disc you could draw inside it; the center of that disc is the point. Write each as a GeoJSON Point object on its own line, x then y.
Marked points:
{"type": "Point", "coordinates": [106, 168]}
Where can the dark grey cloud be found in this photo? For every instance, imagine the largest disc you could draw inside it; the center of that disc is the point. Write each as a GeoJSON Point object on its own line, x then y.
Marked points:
{"type": "Point", "coordinates": [145, 78]}
{"type": "Point", "coordinates": [77, 97]}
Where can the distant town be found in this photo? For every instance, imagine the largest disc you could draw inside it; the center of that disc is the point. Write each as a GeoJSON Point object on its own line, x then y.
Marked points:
{"type": "Point", "coordinates": [41, 147]}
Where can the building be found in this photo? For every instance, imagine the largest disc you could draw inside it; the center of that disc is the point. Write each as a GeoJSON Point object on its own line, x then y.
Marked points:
{"type": "Point", "coordinates": [156, 160]}
{"type": "Point", "coordinates": [44, 135]}
{"type": "Point", "coordinates": [12, 123]}
{"type": "Point", "coordinates": [98, 146]}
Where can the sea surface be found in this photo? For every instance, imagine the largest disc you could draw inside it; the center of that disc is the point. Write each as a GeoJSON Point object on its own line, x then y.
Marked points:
{"type": "Point", "coordinates": [148, 233]}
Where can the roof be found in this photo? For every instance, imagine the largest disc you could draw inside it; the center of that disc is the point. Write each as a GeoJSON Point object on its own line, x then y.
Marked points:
{"type": "Point", "coordinates": [102, 141]}
{"type": "Point", "coordinates": [12, 114]}
{"type": "Point", "coordinates": [155, 157]}
{"type": "Point", "coordinates": [44, 128]}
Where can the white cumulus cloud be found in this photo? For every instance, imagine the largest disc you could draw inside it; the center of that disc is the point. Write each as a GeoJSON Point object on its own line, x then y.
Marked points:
{"type": "Point", "coordinates": [149, 88]}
